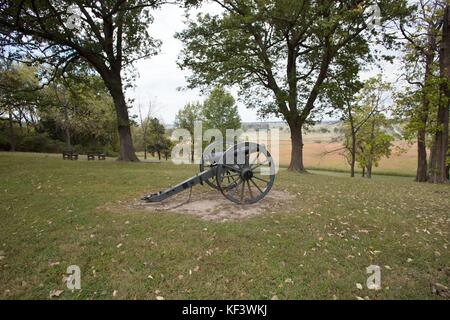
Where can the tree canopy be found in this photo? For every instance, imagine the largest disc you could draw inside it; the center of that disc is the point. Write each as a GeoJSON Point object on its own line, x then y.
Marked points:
{"type": "Point", "coordinates": [220, 111]}
{"type": "Point", "coordinates": [280, 53]}
{"type": "Point", "coordinates": [109, 36]}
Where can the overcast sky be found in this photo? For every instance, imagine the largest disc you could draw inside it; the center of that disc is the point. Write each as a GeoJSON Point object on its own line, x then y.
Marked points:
{"type": "Point", "coordinates": [160, 77]}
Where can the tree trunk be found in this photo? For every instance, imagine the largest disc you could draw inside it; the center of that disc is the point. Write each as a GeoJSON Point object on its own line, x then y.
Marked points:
{"type": "Point", "coordinates": [66, 127]}
{"type": "Point", "coordinates": [68, 143]}
{"type": "Point", "coordinates": [422, 168]}
{"type": "Point", "coordinates": [353, 162]}
{"type": "Point", "coordinates": [114, 84]}
{"type": "Point", "coordinates": [145, 144]}
{"type": "Point", "coordinates": [371, 150]}
{"type": "Point", "coordinates": [363, 172]}
{"type": "Point", "coordinates": [421, 175]}
{"type": "Point", "coordinates": [12, 134]}
{"type": "Point", "coordinates": [369, 170]}
{"type": "Point", "coordinates": [297, 149]}
{"type": "Point", "coordinates": [438, 159]}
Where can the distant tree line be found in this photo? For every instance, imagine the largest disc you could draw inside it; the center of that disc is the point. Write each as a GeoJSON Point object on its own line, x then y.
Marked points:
{"type": "Point", "coordinates": [73, 112]}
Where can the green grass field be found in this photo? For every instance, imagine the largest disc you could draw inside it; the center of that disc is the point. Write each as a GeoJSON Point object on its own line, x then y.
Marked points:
{"type": "Point", "coordinates": [317, 248]}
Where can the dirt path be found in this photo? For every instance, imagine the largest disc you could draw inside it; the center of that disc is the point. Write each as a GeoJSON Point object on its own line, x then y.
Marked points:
{"type": "Point", "coordinates": [210, 205]}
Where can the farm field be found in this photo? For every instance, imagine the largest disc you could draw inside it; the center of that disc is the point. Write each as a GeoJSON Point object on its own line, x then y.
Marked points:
{"type": "Point", "coordinates": [318, 156]}
{"type": "Point", "coordinates": [322, 139]}
{"type": "Point", "coordinates": [318, 245]}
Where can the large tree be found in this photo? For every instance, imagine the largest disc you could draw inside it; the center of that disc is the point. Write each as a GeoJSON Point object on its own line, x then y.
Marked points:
{"type": "Point", "coordinates": [421, 33]}
{"type": "Point", "coordinates": [438, 158]}
{"type": "Point", "coordinates": [108, 35]}
{"type": "Point", "coordinates": [279, 53]}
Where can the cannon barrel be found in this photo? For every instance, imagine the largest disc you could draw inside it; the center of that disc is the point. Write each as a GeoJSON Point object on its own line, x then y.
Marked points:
{"type": "Point", "coordinates": [189, 183]}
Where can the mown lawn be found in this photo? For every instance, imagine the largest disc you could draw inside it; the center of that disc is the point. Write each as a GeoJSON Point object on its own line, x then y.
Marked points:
{"type": "Point", "coordinates": [318, 247]}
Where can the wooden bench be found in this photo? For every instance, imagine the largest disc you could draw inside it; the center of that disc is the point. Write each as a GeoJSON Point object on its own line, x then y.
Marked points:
{"type": "Point", "coordinates": [91, 156]}
{"type": "Point", "coordinates": [70, 155]}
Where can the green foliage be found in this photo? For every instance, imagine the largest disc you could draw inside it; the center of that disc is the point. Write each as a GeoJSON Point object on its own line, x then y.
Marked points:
{"type": "Point", "coordinates": [40, 143]}
{"type": "Point", "coordinates": [4, 141]}
{"type": "Point", "coordinates": [417, 101]}
{"type": "Point", "coordinates": [279, 53]}
{"type": "Point", "coordinates": [159, 142]}
{"type": "Point", "coordinates": [188, 115]}
{"type": "Point", "coordinates": [77, 104]}
{"type": "Point", "coordinates": [18, 88]}
{"type": "Point", "coordinates": [108, 34]}
{"type": "Point", "coordinates": [220, 111]}
{"type": "Point", "coordinates": [364, 118]}
{"type": "Point", "coordinates": [417, 107]}
{"type": "Point", "coordinates": [108, 37]}
{"type": "Point", "coordinates": [373, 143]}
{"type": "Point", "coordinates": [82, 105]}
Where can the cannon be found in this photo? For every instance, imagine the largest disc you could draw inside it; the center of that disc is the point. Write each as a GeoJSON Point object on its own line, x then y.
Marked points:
{"type": "Point", "coordinates": [244, 173]}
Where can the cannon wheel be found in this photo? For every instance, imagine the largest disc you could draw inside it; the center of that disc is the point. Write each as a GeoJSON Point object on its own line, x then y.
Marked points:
{"type": "Point", "coordinates": [206, 164]}
{"type": "Point", "coordinates": [245, 183]}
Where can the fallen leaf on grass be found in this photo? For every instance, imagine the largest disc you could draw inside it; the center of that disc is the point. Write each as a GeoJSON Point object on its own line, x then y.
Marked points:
{"type": "Point", "coordinates": [359, 286]}
{"type": "Point", "coordinates": [159, 298]}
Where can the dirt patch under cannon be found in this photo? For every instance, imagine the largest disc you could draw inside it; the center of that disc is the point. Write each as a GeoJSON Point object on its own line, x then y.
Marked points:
{"type": "Point", "coordinates": [210, 205]}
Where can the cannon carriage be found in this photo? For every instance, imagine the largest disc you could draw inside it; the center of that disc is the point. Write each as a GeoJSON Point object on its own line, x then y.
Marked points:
{"type": "Point", "coordinates": [244, 173]}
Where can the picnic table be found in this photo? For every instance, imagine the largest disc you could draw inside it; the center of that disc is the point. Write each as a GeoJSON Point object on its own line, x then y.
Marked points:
{"type": "Point", "coordinates": [70, 155]}
{"type": "Point", "coordinates": [91, 156]}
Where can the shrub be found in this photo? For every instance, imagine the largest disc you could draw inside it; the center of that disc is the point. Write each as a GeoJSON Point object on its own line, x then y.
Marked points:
{"type": "Point", "coordinates": [40, 143]}
{"type": "Point", "coordinates": [110, 152]}
{"type": "Point", "coordinates": [4, 142]}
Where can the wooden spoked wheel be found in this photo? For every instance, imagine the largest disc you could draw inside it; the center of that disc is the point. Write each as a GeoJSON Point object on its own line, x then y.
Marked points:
{"type": "Point", "coordinates": [249, 182]}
